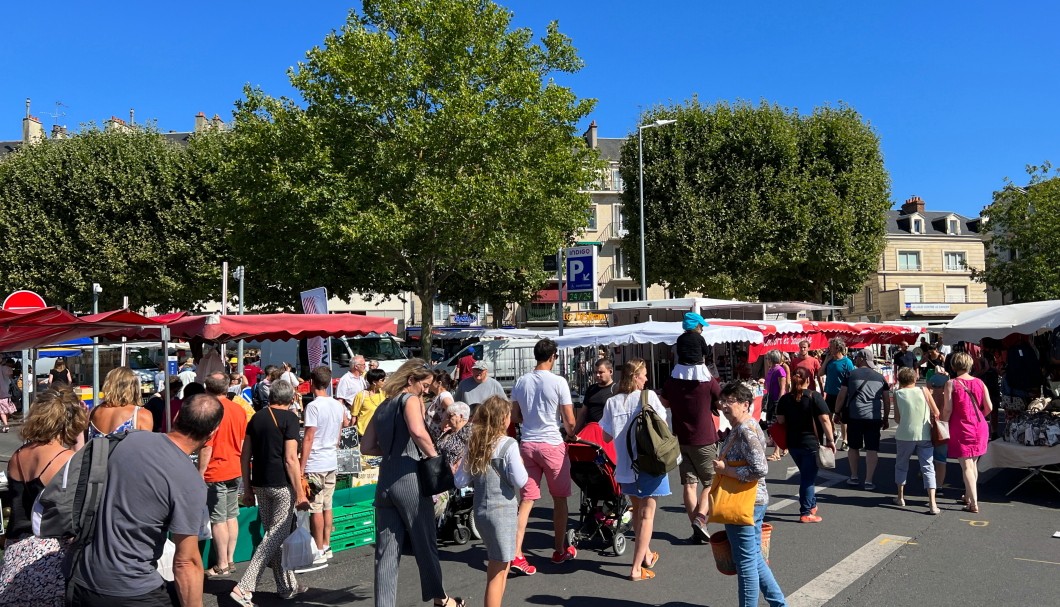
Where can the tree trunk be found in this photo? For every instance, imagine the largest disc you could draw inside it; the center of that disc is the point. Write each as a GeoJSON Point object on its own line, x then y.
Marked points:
{"type": "Point", "coordinates": [426, 321]}
{"type": "Point", "coordinates": [499, 308]}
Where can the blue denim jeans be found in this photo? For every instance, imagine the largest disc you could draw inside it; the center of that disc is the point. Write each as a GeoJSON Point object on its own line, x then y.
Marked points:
{"type": "Point", "coordinates": [752, 573]}
{"type": "Point", "coordinates": [806, 460]}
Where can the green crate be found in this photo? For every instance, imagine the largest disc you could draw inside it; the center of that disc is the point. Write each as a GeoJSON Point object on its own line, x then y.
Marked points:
{"type": "Point", "coordinates": [343, 481]}
{"type": "Point", "coordinates": [340, 544]}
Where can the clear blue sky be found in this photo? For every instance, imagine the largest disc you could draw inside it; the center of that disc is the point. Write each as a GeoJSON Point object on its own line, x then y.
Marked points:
{"type": "Point", "coordinates": [962, 94]}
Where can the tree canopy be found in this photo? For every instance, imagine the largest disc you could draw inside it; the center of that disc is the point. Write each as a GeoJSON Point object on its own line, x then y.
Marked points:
{"type": "Point", "coordinates": [121, 207]}
{"type": "Point", "coordinates": [1023, 227]}
{"type": "Point", "coordinates": [429, 141]}
{"type": "Point", "coordinates": [760, 202]}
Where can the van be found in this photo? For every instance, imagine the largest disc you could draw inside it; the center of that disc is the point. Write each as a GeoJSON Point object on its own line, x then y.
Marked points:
{"type": "Point", "coordinates": [507, 359]}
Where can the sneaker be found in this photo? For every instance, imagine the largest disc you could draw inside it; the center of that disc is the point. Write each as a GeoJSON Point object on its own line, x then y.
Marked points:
{"type": "Point", "coordinates": [853, 481]}
{"type": "Point", "coordinates": [810, 518]}
{"type": "Point", "coordinates": [328, 554]}
{"type": "Point", "coordinates": [523, 566]}
{"type": "Point", "coordinates": [569, 554]}
{"type": "Point", "coordinates": [870, 486]}
{"type": "Point", "coordinates": [318, 563]}
{"type": "Point", "coordinates": [699, 529]}
{"type": "Point", "coordinates": [813, 510]}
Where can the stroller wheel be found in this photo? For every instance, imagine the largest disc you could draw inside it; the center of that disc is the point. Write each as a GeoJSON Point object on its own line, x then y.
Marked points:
{"type": "Point", "coordinates": [461, 534]}
{"type": "Point", "coordinates": [618, 544]}
{"type": "Point", "coordinates": [473, 526]}
{"type": "Point", "coordinates": [572, 538]}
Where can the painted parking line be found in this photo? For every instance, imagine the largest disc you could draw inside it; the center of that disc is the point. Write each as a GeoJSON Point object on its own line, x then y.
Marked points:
{"type": "Point", "coordinates": [830, 479]}
{"type": "Point", "coordinates": [829, 584]}
{"type": "Point", "coordinates": [1036, 561]}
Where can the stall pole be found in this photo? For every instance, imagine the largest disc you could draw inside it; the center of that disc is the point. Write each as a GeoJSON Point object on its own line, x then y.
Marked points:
{"type": "Point", "coordinates": [124, 348]}
{"type": "Point", "coordinates": [96, 290]}
{"type": "Point", "coordinates": [224, 304]}
{"type": "Point", "coordinates": [559, 291]}
{"type": "Point", "coordinates": [27, 380]}
{"type": "Point", "coordinates": [165, 376]}
{"type": "Point", "coordinates": [239, 352]}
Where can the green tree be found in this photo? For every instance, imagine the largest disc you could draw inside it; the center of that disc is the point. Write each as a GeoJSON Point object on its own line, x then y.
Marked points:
{"type": "Point", "coordinates": [430, 135]}
{"type": "Point", "coordinates": [484, 282]}
{"type": "Point", "coordinates": [757, 202]}
{"type": "Point", "coordinates": [1023, 228]}
{"type": "Point", "coordinates": [123, 207]}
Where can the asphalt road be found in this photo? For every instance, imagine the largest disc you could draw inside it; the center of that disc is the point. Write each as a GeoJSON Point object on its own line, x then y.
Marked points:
{"type": "Point", "coordinates": [866, 552]}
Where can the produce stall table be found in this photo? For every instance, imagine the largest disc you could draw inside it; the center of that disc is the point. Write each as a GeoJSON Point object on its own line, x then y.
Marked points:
{"type": "Point", "coordinates": [1038, 461]}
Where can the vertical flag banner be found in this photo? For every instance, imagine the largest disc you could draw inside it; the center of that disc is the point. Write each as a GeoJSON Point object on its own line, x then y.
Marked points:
{"type": "Point", "coordinates": [315, 301]}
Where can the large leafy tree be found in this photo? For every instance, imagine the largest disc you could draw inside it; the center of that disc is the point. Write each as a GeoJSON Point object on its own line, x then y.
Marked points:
{"type": "Point", "coordinates": [122, 207]}
{"type": "Point", "coordinates": [430, 135]}
{"type": "Point", "coordinates": [1023, 227]}
{"type": "Point", "coordinates": [758, 201]}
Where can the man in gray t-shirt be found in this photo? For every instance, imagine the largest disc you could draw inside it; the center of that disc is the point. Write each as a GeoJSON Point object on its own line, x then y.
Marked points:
{"type": "Point", "coordinates": [480, 386]}
{"type": "Point", "coordinates": [865, 392]}
{"type": "Point", "coordinates": [152, 490]}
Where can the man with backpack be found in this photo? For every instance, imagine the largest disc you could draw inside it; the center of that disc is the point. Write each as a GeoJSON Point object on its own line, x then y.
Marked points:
{"type": "Point", "coordinates": [150, 490]}
{"type": "Point", "coordinates": [539, 399]}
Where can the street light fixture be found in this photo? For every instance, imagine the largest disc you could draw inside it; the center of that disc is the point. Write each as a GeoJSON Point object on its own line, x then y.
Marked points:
{"type": "Point", "coordinates": [238, 275]}
{"type": "Point", "coordinates": [640, 152]}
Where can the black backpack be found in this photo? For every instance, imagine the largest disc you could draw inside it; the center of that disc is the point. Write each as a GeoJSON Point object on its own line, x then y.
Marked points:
{"type": "Point", "coordinates": [72, 498]}
{"type": "Point", "coordinates": [259, 396]}
{"type": "Point", "coordinates": [657, 447]}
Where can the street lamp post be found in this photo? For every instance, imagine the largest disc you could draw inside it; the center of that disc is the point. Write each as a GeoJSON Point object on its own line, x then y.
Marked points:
{"type": "Point", "coordinates": [96, 290]}
{"type": "Point", "coordinates": [640, 152]}
{"type": "Point", "coordinates": [238, 275]}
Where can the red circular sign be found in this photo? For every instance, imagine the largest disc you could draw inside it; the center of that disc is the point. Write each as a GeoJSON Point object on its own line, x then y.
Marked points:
{"type": "Point", "coordinates": [24, 300]}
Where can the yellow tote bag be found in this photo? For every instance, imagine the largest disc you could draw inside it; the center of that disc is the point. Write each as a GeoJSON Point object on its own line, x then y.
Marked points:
{"type": "Point", "coordinates": [732, 501]}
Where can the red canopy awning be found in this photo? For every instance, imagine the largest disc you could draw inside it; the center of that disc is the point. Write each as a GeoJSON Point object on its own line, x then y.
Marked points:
{"type": "Point", "coordinates": [271, 327]}
{"type": "Point", "coordinates": [547, 296]}
{"type": "Point", "coordinates": [24, 329]}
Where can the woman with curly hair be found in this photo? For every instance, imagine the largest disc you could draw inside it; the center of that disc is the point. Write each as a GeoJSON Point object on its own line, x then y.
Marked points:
{"type": "Point", "coordinates": [495, 468]}
{"type": "Point", "coordinates": [121, 408]}
{"type": "Point", "coordinates": [32, 570]}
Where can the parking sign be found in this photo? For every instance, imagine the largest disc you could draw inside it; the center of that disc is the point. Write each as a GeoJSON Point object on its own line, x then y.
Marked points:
{"type": "Point", "coordinates": [581, 273]}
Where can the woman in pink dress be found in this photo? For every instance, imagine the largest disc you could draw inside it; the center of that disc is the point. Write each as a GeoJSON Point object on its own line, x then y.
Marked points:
{"type": "Point", "coordinates": [967, 407]}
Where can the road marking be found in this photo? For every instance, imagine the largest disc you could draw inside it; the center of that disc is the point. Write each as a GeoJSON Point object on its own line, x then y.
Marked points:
{"type": "Point", "coordinates": [829, 584]}
{"type": "Point", "coordinates": [830, 478]}
{"type": "Point", "coordinates": [1034, 561]}
{"type": "Point", "coordinates": [975, 523]}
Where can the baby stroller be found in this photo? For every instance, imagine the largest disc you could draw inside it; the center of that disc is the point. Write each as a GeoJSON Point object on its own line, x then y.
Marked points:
{"type": "Point", "coordinates": [457, 522]}
{"type": "Point", "coordinates": [605, 512]}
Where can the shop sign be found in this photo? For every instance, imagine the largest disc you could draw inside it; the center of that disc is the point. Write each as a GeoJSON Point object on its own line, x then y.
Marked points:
{"type": "Point", "coordinates": [589, 319]}
{"type": "Point", "coordinates": [927, 307]}
{"type": "Point", "coordinates": [464, 320]}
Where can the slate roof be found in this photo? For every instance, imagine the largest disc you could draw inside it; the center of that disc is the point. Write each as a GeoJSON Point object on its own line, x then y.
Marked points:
{"type": "Point", "coordinates": [934, 224]}
{"type": "Point", "coordinates": [6, 147]}
{"type": "Point", "coordinates": [610, 148]}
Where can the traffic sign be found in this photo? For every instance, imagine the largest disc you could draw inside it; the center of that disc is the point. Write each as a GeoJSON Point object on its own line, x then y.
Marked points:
{"type": "Point", "coordinates": [581, 273]}
{"type": "Point", "coordinates": [24, 300]}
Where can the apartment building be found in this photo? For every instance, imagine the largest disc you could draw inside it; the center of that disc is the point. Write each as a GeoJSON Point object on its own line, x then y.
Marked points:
{"type": "Point", "coordinates": [924, 272]}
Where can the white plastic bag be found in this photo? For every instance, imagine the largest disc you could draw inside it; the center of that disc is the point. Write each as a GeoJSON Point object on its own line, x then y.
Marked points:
{"type": "Point", "coordinates": [299, 551]}
{"type": "Point", "coordinates": [165, 562]}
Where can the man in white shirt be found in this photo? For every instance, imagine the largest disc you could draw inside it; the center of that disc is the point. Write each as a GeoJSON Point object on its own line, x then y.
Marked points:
{"type": "Point", "coordinates": [353, 382]}
{"type": "Point", "coordinates": [539, 399]}
{"type": "Point", "coordinates": [325, 417]}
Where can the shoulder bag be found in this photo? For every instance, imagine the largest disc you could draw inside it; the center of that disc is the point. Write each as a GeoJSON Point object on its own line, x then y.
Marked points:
{"type": "Point", "coordinates": [307, 490]}
{"type": "Point", "coordinates": [732, 501]}
{"type": "Point", "coordinates": [825, 455]}
{"type": "Point", "coordinates": [434, 474]}
{"type": "Point", "coordinates": [940, 430]}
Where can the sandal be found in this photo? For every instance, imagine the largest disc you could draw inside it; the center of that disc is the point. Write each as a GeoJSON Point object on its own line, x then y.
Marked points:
{"type": "Point", "coordinates": [970, 508]}
{"type": "Point", "coordinates": [775, 456]}
{"type": "Point", "coordinates": [243, 600]}
{"type": "Point", "coordinates": [898, 502]}
{"type": "Point", "coordinates": [450, 602]}
{"type": "Point", "coordinates": [645, 574]}
{"type": "Point", "coordinates": [654, 560]}
{"type": "Point", "coordinates": [297, 591]}
{"type": "Point", "coordinates": [216, 572]}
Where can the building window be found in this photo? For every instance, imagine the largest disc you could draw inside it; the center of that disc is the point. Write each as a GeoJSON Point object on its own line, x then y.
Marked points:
{"type": "Point", "coordinates": [621, 264]}
{"type": "Point", "coordinates": [956, 294]}
{"type": "Point", "coordinates": [850, 304]}
{"type": "Point", "coordinates": [541, 312]}
{"type": "Point", "coordinates": [442, 312]}
{"type": "Point", "coordinates": [955, 261]}
{"type": "Point", "coordinates": [954, 226]}
{"type": "Point", "coordinates": [627, 294]}
{"type": "Point", "coordinates": [912, 293]}
{"type": "Point", "coordinates": [616, 181]}
{"type": "Point", "coordinates": [591, 223]}
{"type": "Point", "coordinates": [588, 305]}
{"type": "Point", "coordinates": [909, 260]}
{"type": "Point", "coordinates": [918, 226]}
{"type": "Point", "coordinates": [868, 298]}
{"type": "Point", "coordinates": [618, 228]}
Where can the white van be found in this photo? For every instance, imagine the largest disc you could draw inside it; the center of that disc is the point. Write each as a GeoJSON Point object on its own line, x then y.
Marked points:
{"type": "Point", "coordinates": [507, 359]}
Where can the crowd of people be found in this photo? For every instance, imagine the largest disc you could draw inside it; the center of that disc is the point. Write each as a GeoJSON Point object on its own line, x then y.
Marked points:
{"type": "Point", "coordinates": [245, 429]}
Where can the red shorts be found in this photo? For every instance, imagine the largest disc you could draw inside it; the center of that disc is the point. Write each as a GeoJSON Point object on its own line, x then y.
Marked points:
{"type": "Point", "coordinates": [550, 461]}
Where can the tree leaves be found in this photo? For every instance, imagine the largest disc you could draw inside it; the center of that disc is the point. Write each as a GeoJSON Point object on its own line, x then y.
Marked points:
{"type": "Point", "coordinates": [758, 202]}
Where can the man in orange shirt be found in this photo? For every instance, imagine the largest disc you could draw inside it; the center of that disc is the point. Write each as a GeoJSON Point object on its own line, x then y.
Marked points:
{"type": "Point", "coordinates": [808, 361]}
{"type": "Point", "coordinates": [220, 469]}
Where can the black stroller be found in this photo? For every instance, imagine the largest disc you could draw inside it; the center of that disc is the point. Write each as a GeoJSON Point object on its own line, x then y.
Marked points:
{"type": "Point", "coordinates": [605, 512]}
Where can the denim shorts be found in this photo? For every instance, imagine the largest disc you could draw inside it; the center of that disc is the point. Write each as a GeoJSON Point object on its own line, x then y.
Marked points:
{"type": "Point", "coordinates": [647, 485]}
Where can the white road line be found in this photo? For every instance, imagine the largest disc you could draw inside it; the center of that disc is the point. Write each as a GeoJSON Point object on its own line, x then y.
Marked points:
{"type": "Point", "coordinates": [829, 584]}
{"type": "Point", "coordinates": [830, 479]}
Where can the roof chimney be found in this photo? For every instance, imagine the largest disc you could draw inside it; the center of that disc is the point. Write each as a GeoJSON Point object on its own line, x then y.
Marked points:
{"type": "Point", "coordinates": [914, 204]}
{"type": "Point", "coordinates": [590, 135]}
{"type": "Point", "coordinates": [200, 122]}
{"type": "Point", "coordinates": [116, 124]}
{"type": "Point", "coordinates": [58, 132]}
{"type": "Point", "coordinates": [32, 129]}
{"type": "Point", "coordinates": [217, 123]}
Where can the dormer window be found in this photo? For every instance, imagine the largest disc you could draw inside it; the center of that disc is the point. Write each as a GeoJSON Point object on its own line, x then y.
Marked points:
{"type": "Point", "coordinates": [918, 226]}
{"type": "Point", "coordinates": [953, 226]}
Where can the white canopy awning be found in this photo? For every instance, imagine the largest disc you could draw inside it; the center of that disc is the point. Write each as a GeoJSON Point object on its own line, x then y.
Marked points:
{"type": "Point", "coordinates": [1001, 321]}
{"type": "Point", "coordinates": [652, 332]}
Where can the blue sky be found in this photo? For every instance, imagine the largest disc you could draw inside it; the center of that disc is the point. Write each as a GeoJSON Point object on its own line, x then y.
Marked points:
{"type": "Point", "coordinates": [962, 94]}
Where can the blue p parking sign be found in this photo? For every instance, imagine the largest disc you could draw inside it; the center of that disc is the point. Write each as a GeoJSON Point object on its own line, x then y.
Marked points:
{"type": "Point", "coordinates": [581, 273]}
